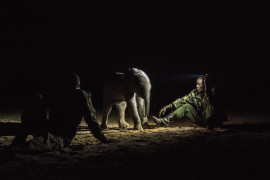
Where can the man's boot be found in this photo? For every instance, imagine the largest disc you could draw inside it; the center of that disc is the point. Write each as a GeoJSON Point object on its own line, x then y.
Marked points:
{"type": "Point", "coordinates": [164, 122]}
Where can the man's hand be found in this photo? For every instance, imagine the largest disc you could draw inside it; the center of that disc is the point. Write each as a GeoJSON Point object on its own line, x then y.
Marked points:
{"type": "Point", "coordinates": [163, 110]}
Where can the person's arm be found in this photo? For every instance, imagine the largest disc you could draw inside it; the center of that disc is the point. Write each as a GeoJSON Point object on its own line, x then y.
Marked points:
{"type": "Point", "coordinates": [91, 120]}
{"type": "Point", "coordinates": [164, 109]}
{"type": "Point", "coordinates": [177, 103]}
{"type": "Point", "coordinates": [185, 99]}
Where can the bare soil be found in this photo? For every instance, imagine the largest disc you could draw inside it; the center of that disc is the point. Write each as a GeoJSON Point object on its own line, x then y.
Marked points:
{"type": "Point", "coordinates": [237, 150]}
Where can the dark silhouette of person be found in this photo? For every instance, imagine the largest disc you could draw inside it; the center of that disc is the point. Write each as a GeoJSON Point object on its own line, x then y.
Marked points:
{"type": "Point", "coordinates": [33, 119]}
{"type": "Point", "coordinates": [67, 108]}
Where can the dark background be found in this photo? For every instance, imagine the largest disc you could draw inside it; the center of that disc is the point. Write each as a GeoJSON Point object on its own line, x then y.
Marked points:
{"type": "Point", "coordinates": [170, 40]}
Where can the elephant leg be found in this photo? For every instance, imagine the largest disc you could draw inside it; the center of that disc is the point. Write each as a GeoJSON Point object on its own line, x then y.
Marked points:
{"type": "Point", "coordinates": [121, 107]}
{"type": "Point", "coordinates": [141, 110]}
{"type": "Point", "coordinates": [132, 105]}
{"type": "Point", "coordinates": [106, 111]}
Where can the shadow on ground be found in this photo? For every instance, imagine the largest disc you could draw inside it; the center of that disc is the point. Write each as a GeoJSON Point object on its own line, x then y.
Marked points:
{"type": "Point", "coordinates": [9, 129]}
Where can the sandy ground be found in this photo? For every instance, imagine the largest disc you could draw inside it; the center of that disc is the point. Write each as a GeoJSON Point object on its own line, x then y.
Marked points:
{"type": "Point", "coordinates": [238, 150]}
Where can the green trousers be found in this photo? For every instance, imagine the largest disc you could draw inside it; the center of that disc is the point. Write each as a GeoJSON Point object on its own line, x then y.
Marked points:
{"type": "Point", "coordinates": [187, 110]}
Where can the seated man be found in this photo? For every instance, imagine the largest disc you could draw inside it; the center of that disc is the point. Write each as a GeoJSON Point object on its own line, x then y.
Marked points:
{"type": "Point", "coordinates": [68, 106]}
{"type": "Point", "coordinates": [201, 106]}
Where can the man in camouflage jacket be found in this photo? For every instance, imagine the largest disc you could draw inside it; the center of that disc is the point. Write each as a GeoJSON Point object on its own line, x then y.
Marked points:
{"type": "Point", "coordinates": [200, 106]}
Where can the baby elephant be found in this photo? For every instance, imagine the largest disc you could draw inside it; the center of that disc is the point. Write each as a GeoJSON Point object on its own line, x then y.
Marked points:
{"type": "Point", "coordinates": [132, 90]}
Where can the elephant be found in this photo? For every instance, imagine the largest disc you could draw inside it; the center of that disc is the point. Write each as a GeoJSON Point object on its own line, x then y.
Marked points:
{"type": "Point", "coordinates": [131, 89]}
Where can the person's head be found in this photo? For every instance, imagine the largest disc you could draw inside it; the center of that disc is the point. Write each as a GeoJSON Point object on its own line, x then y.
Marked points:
{"type": "Point", "coordinates": [71, 81]}
{"type": "Point", "coordinates": [200, 84]}
{"type": "Point", "coordinates": [35, 101]}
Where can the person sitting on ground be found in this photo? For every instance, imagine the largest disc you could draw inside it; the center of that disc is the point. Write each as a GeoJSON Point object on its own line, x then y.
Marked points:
{"type": "Point", "coordinates": [69, 105]}
{"type": "Point", "coordinates": [201, 106]}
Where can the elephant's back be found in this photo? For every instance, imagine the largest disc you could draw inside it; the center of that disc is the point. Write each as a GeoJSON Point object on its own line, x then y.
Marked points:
{"type": "Point", "coordinates": [114, 89]}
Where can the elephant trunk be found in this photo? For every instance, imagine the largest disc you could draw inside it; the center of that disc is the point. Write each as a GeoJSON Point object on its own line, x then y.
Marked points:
{"type": "Point", "coordinates": [147, 103]}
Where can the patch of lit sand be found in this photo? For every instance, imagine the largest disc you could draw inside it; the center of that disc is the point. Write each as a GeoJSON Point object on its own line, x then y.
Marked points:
{"type": "Point", "coordinates": [239, 150]}
{"type": "Point", "coordinates": [149, 136]}
{"type": "Point", "coordinates": [10, 116]}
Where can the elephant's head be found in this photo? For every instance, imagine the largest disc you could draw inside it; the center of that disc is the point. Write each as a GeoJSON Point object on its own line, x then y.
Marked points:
{"type": "Point", "coordinates": [141, 85]}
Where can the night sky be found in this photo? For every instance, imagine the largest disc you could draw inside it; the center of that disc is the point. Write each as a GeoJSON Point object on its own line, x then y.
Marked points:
{"type": "Point", "coordinates": [169, 40]}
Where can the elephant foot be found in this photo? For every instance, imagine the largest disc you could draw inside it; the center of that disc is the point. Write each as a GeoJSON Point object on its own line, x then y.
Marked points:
{"type": "Point", "coordinates": [145, 125]}
{"type": "Point", "coordinates": [104, 126]}
{"type": "Point", "coordinates": [123, 125]}
{"type": "Point", "coordinates": [144, 120]}
{"type": "Point", "coordinates": [137, 127]}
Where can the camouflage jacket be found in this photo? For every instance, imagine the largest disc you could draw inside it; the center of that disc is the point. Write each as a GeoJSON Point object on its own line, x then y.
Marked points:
{"type": "Point", "coordinates": [201, 101]}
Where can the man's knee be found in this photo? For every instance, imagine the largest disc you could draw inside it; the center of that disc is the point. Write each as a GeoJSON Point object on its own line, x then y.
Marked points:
{"type": "Point", "coordinates": [187, 107]}
{"type": "Point", "coordinates": [184, 110]}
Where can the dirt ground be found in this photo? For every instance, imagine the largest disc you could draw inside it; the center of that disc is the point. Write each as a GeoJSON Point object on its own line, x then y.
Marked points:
{"type": "Point", "coordinates": [238, 150]}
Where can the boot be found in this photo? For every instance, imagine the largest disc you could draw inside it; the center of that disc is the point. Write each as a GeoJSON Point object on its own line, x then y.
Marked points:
{"type": "Point", "coordinates": [164, 122]}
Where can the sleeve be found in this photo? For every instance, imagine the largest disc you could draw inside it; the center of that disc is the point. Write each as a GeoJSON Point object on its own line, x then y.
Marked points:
{"type": "Point", "coordinates": [185, 99]}
{"type": "Point", "coordinates": [91, 119]}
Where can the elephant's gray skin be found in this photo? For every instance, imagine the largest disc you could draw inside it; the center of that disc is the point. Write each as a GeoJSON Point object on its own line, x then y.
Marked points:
{"type": "Point", "coordinates": [131, 89]}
